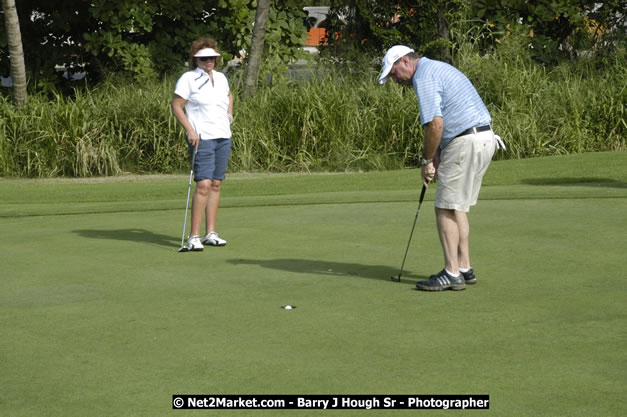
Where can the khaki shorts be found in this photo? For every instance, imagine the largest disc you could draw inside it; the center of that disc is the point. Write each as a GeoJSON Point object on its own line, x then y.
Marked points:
{"type": "Point", "coordinates": [463, 162]}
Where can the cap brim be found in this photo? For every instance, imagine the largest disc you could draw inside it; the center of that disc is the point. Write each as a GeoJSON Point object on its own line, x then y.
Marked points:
{"type": "Point", "coordinates": [385, 75]}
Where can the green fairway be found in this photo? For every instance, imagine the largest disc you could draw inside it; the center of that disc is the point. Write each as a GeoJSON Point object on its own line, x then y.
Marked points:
{"type": "Point", "coordinates": [101, 316]}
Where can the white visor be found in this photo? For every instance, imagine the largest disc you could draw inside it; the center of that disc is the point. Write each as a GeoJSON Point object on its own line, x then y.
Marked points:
{"type": "Point", "coordinates": [206, 52]}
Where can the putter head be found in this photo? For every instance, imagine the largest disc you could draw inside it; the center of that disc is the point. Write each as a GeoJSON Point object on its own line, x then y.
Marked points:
{"type": "Point", "coordinates": [183, 249]}
{"type": "Point", "coordinates": [395, 278]}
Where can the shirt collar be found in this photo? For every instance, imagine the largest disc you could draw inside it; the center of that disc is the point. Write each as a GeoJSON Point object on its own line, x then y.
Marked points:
{"type": "Point", "coordinates": [201, 71]}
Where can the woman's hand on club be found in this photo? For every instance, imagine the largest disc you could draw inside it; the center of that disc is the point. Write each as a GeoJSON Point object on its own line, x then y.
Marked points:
{"type": "Point", "coordinates": [193, 139]}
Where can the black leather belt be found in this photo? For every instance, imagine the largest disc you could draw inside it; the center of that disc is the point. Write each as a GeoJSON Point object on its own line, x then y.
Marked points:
{"type": "Point", "coordinates": [473, 129]}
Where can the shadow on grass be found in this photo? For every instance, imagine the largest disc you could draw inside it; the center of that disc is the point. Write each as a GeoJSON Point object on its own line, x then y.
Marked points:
{"type": "Point", "coordinates": [131, 235]}
{"type": "Point", "coordinates": [587, 181]}
{"type": "Point", "coordinates": [330, 269]}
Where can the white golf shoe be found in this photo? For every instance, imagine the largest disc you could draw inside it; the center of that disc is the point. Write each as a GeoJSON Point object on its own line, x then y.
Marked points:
{"type": "Point", "coordinates": [193, 243]}
{"type": "Point", "coordinates": [212, 239]}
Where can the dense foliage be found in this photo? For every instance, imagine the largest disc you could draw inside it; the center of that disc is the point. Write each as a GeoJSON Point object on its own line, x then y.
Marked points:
{"type": "Point", "coordinates": [559, 29]}
{"type": "Point", "coordinates": [555, 29]}
{"type": "Point", "coordinates": [142, 38]}
{"type": "Point", "coordinates": [356, 27]}
{"type": "Point", "coordinates": [150, 38]}
{"type": "Point", "coordinates": [553, 74]}
{"type": "Point", "coordinates": [333, 122]}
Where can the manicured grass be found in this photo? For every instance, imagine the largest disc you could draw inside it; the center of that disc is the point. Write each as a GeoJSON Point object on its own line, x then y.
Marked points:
{"type": "Point", "coordinates": [102, 316]}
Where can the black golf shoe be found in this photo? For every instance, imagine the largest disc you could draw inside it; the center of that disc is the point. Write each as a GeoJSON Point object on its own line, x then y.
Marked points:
{"type": "Point", "coordinates": [442, 281]}
{"type": "Point", "coordinates": [469, 276]}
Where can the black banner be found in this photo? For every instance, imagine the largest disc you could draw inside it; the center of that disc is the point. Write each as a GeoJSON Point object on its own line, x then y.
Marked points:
{"type": "Point", "coordinates": [331, 402]}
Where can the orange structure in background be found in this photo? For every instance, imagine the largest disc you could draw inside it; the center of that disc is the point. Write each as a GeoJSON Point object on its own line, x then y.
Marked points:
{"type": "Point", "coordinates": [317, 34]}
{"type": "Point", "coordinates": [315, 37]}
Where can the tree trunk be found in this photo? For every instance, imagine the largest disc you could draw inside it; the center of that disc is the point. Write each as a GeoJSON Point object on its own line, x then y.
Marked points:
{"type": "Point", "coordinates": [16, 52]}
{"type": "Point", "coordinates": [256, 47]}
{"type": "Point", "coordinates": [443, 31]}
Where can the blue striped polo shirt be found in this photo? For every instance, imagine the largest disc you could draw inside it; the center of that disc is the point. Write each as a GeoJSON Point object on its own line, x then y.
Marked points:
{"type": "Point", "coordinates": [444, 91]}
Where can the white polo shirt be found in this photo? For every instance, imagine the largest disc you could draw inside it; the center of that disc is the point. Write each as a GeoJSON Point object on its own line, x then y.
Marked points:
{"type": "Point", "coordinates": [207, 104]}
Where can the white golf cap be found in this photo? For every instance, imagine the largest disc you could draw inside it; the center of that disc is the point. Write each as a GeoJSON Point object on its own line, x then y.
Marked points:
{"type": "Point", "coordinates": [206, 52]}
{"type": "Point", "coordinates": [391, 56]}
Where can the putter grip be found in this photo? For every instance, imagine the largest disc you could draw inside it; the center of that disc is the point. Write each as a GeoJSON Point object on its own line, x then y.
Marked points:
{"type": "Point", "coordinates": [422, 193]}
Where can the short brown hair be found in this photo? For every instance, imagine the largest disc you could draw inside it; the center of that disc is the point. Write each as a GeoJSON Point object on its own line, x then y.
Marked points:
{"type": "Point", "coordinates": [199, 44]}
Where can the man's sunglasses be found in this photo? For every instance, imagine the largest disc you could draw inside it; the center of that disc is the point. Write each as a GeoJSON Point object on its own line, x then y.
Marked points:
{"type": "Point", "coordinates": [206, 58]}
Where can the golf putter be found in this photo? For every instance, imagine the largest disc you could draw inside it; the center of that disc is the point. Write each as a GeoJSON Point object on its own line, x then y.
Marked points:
{"type": "Point", "coordinates": [184, 248]}
{"type": "Point", "coordinates": [397, 278]}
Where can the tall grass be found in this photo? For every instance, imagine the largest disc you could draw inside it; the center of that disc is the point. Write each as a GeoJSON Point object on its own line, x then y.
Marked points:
{"type": "Point", "coordinates": [327, 124]}
{"type": "Point", "coordinates": [116, 128]}
{"type": "Point", "coordinates": [334, 122]}
{"type": "Point", "coordinates": [572, 108]}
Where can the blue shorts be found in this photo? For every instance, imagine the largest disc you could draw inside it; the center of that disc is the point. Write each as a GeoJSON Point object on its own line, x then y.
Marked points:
{"type": "Point", "coordinates": [212, 159]}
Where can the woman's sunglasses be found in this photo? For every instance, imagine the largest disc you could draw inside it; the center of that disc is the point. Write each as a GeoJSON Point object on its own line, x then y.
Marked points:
{"type": "Point", "coordinates": [206, 58]}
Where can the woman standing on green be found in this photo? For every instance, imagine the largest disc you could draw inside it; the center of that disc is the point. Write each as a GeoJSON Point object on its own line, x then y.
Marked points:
{"type": "Point", "coordinates": [203, 105]}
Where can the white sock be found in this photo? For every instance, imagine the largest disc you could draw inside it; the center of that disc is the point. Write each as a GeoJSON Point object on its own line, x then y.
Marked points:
{"type": "Point", "coordinates": [451, 274]}
{"type": "Point", "coordinates": [464, 269]}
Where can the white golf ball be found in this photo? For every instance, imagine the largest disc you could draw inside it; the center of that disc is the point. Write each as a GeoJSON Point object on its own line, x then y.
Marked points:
{"type": "Point", "coordinates": [288, 307]}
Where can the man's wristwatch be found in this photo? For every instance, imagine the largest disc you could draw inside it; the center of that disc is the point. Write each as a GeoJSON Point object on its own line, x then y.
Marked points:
{"type": "Point", "coordinates": [424, 161]}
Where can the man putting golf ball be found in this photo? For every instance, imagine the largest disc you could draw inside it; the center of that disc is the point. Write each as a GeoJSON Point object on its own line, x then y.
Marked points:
{"type": "Point", "coordinates": [458, 145]}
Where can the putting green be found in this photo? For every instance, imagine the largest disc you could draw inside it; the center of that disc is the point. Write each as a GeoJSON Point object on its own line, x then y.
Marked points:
{"type": "Point", "coordinates": [102, 316]}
